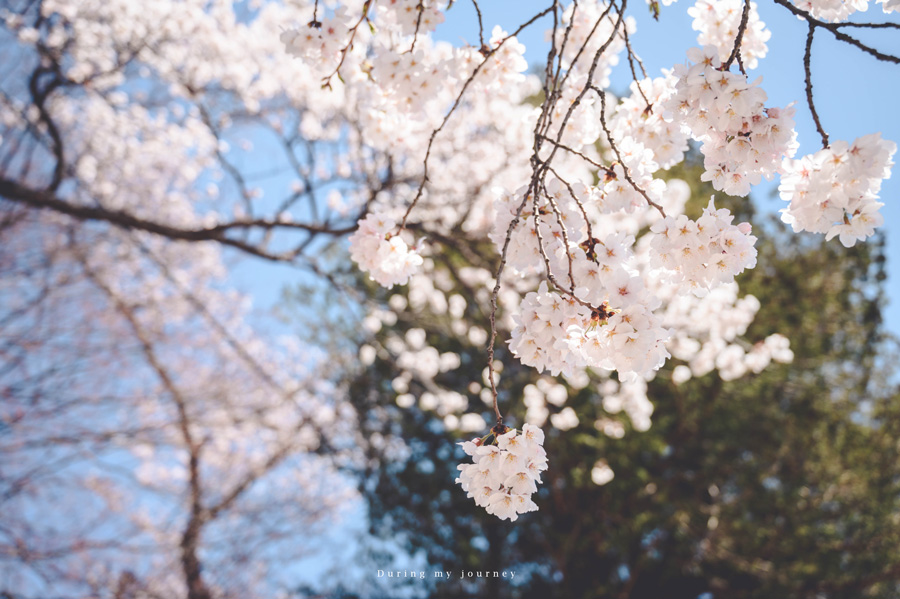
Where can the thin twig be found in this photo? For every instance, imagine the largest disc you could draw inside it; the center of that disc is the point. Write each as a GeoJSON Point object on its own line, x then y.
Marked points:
{"type": "Point", "coordinates": [736, 51]}
{"type": "Point", "coordinates": [631, 60]}
{"type": "Point", "coordinates": [809, 87]}
{"type": "Point", "coordinates": [420, 7]}
{"type": "Point", "coordinates": [615, 150]}
{"type": "Point", "coordinates": [326, 81]}
{"type": "Point", "coordinates": [565, 236]}
{"type": "Point", "coordinates": [587, 221]}
{"type": "Point", "coordinates": [453, 108]}
{"type": "Point", "coordinates": [480, 24]}
{"type": "Point", "coordinates": [581, 155]}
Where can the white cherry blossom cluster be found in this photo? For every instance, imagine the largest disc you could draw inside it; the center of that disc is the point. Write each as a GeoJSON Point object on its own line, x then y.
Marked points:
{"type": "Point", "coordinates": [718, 22]}
{"type": "Point", "coordinates": [409, 80]}
{"type": "Point", "coordinates": [616, 192]}
{"type": "Point", "coordinates": [602, 272]}
{"type": "Point", "coordinates": [774, 348]}
{"type": "Point", "coordinates": [536, 397]}
{"type": "Point", "coordinates": [320, 42]}
{"type": "Point", "coordinates": [504, 475]}
{"type": "Point", "coordinates": [558, 220]}
{"type": "Point", "coordinates": [632, 340]}
{"type": "Point", "coordinates": [704, 253]}
{"type": "Point", "coordinates": [404, 16]}
{"type": "Point", "coordinates": [504, 72]}
{"type": "Point", "coordinates": [835, 191]}
{"type": "Point", "coordinates": [641, 120]}
{"type": "Point", "coordinates": [734, 360]}
{"type": "Point", "coordinates": [380, 251]}
{"type": "Point", "coordinates": [714, 342]}
{"type": "Point", "coordinates": [540, 338]}
{"type": "Point", "coordinates": [560, 334]}
{"type": "Point", "coordinates": [742, 141]}
{"type": "Point", "coordinates": [628, 395]}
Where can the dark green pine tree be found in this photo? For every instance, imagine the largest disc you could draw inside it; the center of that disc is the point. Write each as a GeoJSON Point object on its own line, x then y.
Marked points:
{"type": "Point", "coordinates": [784, 484]}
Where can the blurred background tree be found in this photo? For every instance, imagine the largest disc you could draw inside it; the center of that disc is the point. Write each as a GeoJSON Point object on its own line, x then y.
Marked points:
{"type": "Point", "coordinates": [780, 484]}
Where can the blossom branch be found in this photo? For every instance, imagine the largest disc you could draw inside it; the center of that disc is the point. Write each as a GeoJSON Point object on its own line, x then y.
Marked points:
{"type": "Point", "coordinates": [540, 167]}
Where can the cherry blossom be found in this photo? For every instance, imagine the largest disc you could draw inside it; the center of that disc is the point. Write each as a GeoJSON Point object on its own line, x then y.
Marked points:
{"type": "Point", "coordinates": [718, 22]}
{"type": "Point", "coordinates": [835, 190]}
{"type": "Point", "coordinates": [742, 140]}
{"type": "Point", "coordinates": [377, 250]}
{"type": "Point", "coordinates": [505, 473]}
{"type": "Point", "coordinates": [704, 253]}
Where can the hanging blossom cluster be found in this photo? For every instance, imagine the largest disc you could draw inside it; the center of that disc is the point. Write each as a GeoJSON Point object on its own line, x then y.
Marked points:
{"type": "Point", "coordinates": [835, 190]}
{"type": "Point", "coordinates": [742, 140]}
{"type": "Point", "coordinates": [383, 254]}
{"type": "Point", "coordinates": [705, 253]}
{"type": "Point", "coordinates": [638, 118]}
{"type": "Point", "coordinates": [561, 335]}
{"type": "Point", "coordinates": [505, 473]}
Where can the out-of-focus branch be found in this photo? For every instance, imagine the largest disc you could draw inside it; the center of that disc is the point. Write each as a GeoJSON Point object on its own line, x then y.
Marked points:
{"type": "Point", "coordinates": [15, 192]}
{"type": "Point", "coordinates": [190, 539]}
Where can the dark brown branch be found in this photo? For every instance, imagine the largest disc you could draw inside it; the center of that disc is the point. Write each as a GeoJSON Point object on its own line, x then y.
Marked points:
{"type": "Point", "coordinates": [480, 24]}
{"type": "Point", "coordinates": [835, 29]}
{"type": "Point", "coordinates": [736, 51]}
{"type": "Point", "coordinates": [809, 87]}
{"type": "Point", "coordinates": [870, 25]}
{"type": "Point", "coordinates": [39, 96]}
